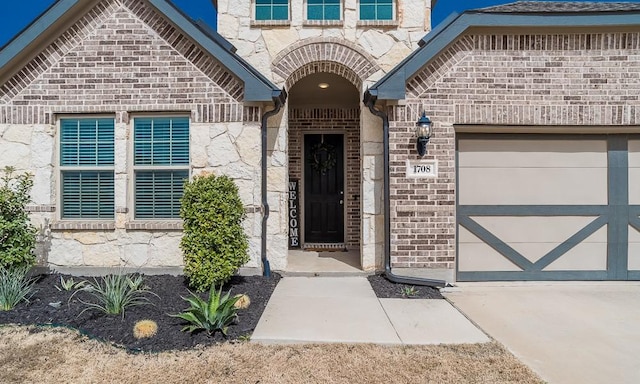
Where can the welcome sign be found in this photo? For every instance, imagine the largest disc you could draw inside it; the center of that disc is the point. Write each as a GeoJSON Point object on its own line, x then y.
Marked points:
{"type": "Point", "coordinates": [294, 218]}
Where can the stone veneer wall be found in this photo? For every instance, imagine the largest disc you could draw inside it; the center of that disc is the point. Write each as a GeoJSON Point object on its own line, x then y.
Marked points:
{"type": "Point", "coordinates": [361, 52]}
{"type": "Point", "coordinates": [331, 120]}
{"type": "Point", "coordinates": [122, 59]}
{"type": "Point", "coordinates": [259, 42]}
{"type": "Point", "coordinates": [565, 79]}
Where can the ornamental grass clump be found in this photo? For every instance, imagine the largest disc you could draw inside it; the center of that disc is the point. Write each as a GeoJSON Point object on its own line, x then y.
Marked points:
{"type": "Point", "coordinates": [15, 286]}
{"type": "Point", "coordinates": [214, 243]}
{"type": "Point", "coordinates": [115, 293]}
{"type": "Point", "coordinates": [216, 313]}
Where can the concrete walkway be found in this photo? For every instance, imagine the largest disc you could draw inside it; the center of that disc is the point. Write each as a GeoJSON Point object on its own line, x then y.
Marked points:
{"type": "Point", "coordinates": [346, 310]}
{"type": "Point", "coordinates": [566, 332]}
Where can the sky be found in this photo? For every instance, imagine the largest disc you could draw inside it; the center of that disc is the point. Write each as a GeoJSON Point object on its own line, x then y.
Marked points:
{"type": "Point", "coordinates": [16, 15]}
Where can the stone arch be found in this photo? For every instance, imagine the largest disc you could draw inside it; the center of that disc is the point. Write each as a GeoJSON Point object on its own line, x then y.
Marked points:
{"type": "Point", "coordinates": [330, 55]}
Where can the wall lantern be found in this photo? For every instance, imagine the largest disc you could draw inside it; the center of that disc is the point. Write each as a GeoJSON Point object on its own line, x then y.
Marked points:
{"type": "Point", "coordinates": [423, 133]}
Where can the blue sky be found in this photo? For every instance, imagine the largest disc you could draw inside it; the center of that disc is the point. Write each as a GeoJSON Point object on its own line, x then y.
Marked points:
{"type": "Point", "coordinates": [15, 15]}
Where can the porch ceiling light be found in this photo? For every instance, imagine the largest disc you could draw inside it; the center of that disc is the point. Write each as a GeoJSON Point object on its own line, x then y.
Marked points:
{"type": "Point", "coordinates": [423, 133]}
{"type": "Point", "coordinates": [323, 85]}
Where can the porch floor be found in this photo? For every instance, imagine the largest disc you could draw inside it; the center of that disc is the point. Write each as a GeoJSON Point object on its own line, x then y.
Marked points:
{"type": "Point", "coordinates": [324, 262]}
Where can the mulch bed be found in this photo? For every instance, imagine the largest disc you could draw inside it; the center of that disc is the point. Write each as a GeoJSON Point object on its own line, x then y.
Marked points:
{"type": "Point", "coordinates": [114, 329]}
{"type": "Point", "coordinates": [386, 289]}
{"type": "Point", "coordinates": [170, 290]}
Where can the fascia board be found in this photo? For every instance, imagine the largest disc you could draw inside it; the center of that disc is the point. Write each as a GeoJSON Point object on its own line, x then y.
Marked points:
{"type": "Point", "coordinates": [255, 88]}
{"type": "Point", "coordinates": [33, 31]}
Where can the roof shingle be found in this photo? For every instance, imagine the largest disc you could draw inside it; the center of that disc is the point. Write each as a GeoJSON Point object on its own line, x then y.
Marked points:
{"type": "Point", "coordinates": [560, 7]}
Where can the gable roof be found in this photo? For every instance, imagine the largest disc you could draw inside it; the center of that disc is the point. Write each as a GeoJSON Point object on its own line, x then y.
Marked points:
{"type": "Point", "coordinates": [257, 88]}
{"type": "Point", "coordinates": [534, 14]}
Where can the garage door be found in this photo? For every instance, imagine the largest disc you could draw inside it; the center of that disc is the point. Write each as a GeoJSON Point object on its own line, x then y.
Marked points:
{"type": "Point", "coordinates": [534, 207]}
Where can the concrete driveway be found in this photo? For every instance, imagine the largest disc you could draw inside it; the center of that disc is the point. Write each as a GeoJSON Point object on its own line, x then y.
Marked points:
{"type": "Point", "coordinates": [566, 332]}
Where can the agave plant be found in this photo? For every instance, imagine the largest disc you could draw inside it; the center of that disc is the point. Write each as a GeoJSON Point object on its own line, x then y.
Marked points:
{"type": "Point", "coordinates": [211, 315]}
{"type": "Point", "coordinates": [69, 284]}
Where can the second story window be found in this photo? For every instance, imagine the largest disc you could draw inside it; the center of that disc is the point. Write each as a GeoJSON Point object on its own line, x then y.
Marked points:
{"type": "Point", "coordinates": [376, 9]}
{"type": "Point", "coordinates": [272, 9]}
{"type": "Point", "coordinates": [323, 10]}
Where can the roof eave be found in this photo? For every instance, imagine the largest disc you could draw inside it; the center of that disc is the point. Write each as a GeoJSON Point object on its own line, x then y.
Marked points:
{"type": "Point", "coordinates": [256, 87]}
{"type": "Point", "coordinates": [393, 85]}
{"type": "Point", "coordinates": [26, 37]}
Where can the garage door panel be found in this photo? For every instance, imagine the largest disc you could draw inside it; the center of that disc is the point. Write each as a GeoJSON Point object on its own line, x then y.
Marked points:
{"type": "Point", "coordinates": [634, 257]}
{"type": "Point", "coordinates": [634, 152]}
{"type": "Point", "coordinates": [534, 229]}
{"type": "Point", "coordinates": [634, 186]}
{"type": "Point", "coordinates": [634, 249]}
{"type": "Point", "coordinates": [533, 186]}
{"type": "Point", "coordinates": [532, 153]}
{"type": "Point", "coordinates": [634, 172]}
{"type": "Point", "coordinates": [572, 182]}
{"type": "Point", "coordinates": [478, 256]}
{"type": "Point", "coordinates": [586, 256]}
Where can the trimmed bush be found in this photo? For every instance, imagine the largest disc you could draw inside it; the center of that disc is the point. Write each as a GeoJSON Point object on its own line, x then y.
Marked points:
{"type": "Point", "coordinates": [214, 244]}
{"type": "Point", "coordinates": [17, 234]}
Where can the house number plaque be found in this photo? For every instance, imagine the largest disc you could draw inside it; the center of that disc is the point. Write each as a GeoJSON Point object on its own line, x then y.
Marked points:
{"type": "Point", "coordinates": [422, 169]}
{"type": "Point", "coordinates": [294, 215]}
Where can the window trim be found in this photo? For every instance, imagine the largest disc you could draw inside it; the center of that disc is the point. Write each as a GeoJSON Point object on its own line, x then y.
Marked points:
{"type": "Point", "coordinates": [59, 169]}
{"type": "Point", "coordinates": [394, 15]}
{"type": "Point", "coordinates": [255, 21]}
{"type": "Point", "coordinates": [323, 21]}
{"type": "Point", "coordinates": [134, 222]}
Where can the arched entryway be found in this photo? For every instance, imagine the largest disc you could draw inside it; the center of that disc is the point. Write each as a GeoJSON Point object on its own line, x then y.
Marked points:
{"type": "Point", "coordinates": [324, 159]}
{"type": "Point", "coordinates": [346, 214]}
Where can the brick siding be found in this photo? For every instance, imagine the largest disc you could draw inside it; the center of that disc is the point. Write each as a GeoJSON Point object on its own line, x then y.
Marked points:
{"type": "Point", "coordinates": [581, 79]}
{"type": "Point", "coordinates": [122, 55]}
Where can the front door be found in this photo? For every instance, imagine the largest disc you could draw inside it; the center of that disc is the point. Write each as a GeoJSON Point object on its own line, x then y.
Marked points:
{"type": "Point", "coordinates": [324, 188]}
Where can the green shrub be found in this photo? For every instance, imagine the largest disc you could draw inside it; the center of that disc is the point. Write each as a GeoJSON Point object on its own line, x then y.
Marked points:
{"type": "Point", "coordinates": [214, 314]}
{"type": "Point", "coordinates": [214, 244]}
{"type": "Point", "coordinates": [115, 293]}
{"type": "Point", "coordinates": [15, 286]}
{"type": "Point", "coordinates": [17, 234]}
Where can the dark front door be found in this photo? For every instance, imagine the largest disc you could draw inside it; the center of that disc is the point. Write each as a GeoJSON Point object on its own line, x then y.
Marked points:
{"type": "Point", "coordinates": [323, 188]}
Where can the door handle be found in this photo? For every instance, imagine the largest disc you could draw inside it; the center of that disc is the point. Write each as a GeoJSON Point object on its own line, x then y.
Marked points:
{"type": "Point", "coordinates": [341, 202]}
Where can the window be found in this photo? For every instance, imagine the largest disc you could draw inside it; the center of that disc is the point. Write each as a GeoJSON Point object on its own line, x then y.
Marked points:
{"type": "Point", "coordinates": [376, 9]}
{"type": "Point", "coordinates": [161, 166]}
{"type": "Point", "coordinates": [272, 9]}
{"type": "Point", "coordinates": [323, 9]}
{"type": "Point", "coordinates": [86, 168]}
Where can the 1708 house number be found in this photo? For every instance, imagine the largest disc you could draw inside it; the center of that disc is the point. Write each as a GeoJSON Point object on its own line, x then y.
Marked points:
{"type": "Point", "coordinates": [422, 169]}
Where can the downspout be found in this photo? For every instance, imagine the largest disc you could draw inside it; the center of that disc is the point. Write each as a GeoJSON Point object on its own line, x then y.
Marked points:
{"type": "Point", "coordinates": [370, 101]}
{"type": "Point", "coordinates": [278, 101]}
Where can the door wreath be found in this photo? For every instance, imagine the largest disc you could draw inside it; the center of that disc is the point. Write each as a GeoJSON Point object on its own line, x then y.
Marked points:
{"type": "Point", "coordinates": [322, 157]}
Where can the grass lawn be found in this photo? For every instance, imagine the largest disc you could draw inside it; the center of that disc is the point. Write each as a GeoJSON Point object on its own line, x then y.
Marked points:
{"type": "Point", "coordinates": [46, 355]}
